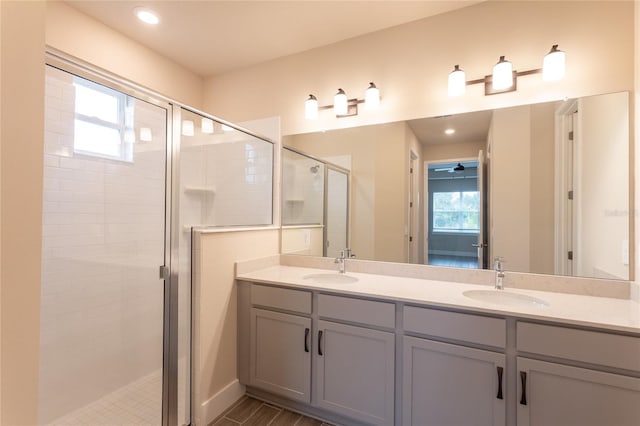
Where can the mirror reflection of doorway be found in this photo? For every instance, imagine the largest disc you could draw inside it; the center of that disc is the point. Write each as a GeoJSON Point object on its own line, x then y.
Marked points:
{"type": "Point", "coordinates": [454, 219]}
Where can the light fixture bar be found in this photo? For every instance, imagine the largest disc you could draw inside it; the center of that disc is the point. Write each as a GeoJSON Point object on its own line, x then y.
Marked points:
{"type": "Point", "coordinates": [371, 100]}
{"type": "Point", "coordinates": [553, 70]}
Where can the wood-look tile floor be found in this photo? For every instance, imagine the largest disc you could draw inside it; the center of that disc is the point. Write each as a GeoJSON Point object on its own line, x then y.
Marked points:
{"type": "Point", "coordinates": [252, 412]}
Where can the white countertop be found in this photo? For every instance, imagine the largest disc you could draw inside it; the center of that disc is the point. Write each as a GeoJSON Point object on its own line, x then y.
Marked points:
{"type": "Point", "coordinates": [600, 312]}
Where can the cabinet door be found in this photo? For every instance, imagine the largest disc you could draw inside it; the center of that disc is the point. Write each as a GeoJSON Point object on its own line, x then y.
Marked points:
{"type": "Point", "coordinates": [280, 354]}
{"type": "Point", "coordinates": [450, 385]}
{"type": "Point", "coordinates": [355, 372]}
{"type": "Point", "coordinates": [559, 395]}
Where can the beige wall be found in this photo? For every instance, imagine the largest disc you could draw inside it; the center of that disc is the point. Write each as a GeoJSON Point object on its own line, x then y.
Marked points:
{"type": "Point", "coordinates": [412, 76]}
{"type": "Point", "coordinates": [76, 34]}
{"type": "Point", "coordinates": [509, 198]}
{"type": "Point", "coordinates": [215, 307]}
{"type": "Point", "coordinates": [378, 184]}
{"type": "Point", "coordinates": [302, 240]}
{"type": "Point", "coordinates": [21, 138]}
{"type": "Point", "coordinates": [542, 188]}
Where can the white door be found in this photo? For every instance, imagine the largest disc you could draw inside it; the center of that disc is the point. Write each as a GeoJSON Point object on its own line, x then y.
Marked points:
{"type": "Point", "coordinates": [280, 354]}
{"type": "Point", "coordinates": [552, 394]}
{"type": "Point", "coordinates": [450, 385]}
{"type": "Point", "coordinates": [355, 372]}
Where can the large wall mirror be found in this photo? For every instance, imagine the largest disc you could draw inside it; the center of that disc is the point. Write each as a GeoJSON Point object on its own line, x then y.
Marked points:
{"type": "Point", "coordinates": [544, 186]}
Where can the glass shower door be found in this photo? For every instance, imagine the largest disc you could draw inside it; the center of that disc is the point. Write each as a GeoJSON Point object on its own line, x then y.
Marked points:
{"type": "Point", "coordinates": [104, 238]}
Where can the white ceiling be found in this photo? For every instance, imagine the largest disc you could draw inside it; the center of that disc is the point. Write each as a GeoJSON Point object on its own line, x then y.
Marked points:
{"type": "Point", "coordinates": [212, 37]}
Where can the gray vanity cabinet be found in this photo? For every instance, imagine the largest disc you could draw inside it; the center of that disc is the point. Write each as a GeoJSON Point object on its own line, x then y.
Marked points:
{"type": "Point", "coordinates": [584, 377]}
{"type": "Point", "coordinates": [355, 372]}
{"type": "Point", "coordinates": [448, 384]}
{"type": "Point", "coordinates": [280, 354]}
{"type": "Point", "coordinates": [562, 395]}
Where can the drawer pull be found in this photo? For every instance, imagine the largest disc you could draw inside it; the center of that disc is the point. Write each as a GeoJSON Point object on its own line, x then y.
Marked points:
{"type": "Point", "coordinates": [500, 371]}
{"type": "Point", "coordinates": [523, 379]}
{"type": "Point", "coordinates": [320, 342]}
{"type": "Point", "coordinates": [306, 339]}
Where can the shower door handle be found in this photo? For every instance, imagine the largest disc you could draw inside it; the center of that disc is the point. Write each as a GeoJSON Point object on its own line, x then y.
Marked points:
{"type": "Point", "coordinates": [164, 272]}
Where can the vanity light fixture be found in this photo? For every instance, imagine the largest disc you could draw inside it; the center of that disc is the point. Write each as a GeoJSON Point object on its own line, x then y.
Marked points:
{"type": "Point", "coordinates": [505, 79]}
{"type": "Point", "coordinates": [342, 105]}
{"type": "Point", "coordinates": [147, 16]}
{"type": "Point", "coordinates": [145, 134]}
{"type": "Point", "coordinates": [206, 125]}
{"type": "Point", "coordinates": [188, 128]}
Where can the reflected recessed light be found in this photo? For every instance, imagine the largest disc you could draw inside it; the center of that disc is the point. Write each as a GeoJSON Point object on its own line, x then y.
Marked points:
{"type": "Point", "coordinates": [449, 131]}
{"type": "Point", "coordinates": [146, 15]}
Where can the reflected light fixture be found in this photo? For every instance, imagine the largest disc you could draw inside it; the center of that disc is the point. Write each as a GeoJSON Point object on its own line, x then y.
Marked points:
{"type": "Point", "coordinates": [226, 128]}
{"type": "Point", "coordinates": [342, 105]}
{"type": "Point", "coordinates": [188, 128]}
{"type": "Point", "coordinates": [206, 125]}
{"type": "Point", "coordinates": [147, 16]}
{"type": "Point", "coordinates": [504, 78]}
{"type": "Point", "coordinates": [449, 131]}
{"type": "Point", "coordinates": [553, 65]}
{"type": "Point", "coordinates": [145, 134]}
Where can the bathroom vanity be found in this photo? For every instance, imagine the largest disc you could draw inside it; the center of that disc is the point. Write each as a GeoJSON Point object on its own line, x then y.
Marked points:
{"type": "Point", "coordinates": [394, 348]}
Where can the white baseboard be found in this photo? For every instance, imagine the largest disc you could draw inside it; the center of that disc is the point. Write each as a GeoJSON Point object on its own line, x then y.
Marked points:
{"type": "Point", "coordinates": [218, 403]}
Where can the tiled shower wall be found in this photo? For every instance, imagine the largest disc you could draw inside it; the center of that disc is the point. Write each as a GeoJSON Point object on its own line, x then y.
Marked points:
{"type": "Point", "coordinates": [103, 239]}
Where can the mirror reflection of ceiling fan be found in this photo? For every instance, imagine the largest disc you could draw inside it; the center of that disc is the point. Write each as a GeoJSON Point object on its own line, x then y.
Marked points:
{"type": "Point", "coordinates": [458, 168]}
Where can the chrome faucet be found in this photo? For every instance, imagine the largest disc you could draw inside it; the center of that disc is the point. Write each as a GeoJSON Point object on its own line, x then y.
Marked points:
{"type": "Point", "coordinates": [499, 268]}
{"type": "Point", "coordinates": [341, 259]}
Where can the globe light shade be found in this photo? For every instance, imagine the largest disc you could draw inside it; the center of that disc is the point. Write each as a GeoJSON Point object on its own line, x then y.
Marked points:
{"type": "Point", "coordinates": [457, 82]}
{"type": "Point", "coordinates": [311, 108]}
{"type": "Point", "coordinates": [502, 74]}
{"type": "Point", "coordinates": [372, 97]}
{"type": "Point", "coordinates": [340, 103]}
{"type": "Point", "coordinates": [188, 128]}
{"type": "Point", "coordinates": [206, 125]}
{"type": "Point", "coordinates": [553, 65]}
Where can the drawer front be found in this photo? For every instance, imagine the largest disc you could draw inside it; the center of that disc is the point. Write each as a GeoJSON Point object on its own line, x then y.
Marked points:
{"type": "Point", "coordinates": [580, 345]}
{"type": "Point", "coordinates": [281, 298]}
{"type": "Point", "coordinates": [457, 326]}
{"type": "Point", "coordinates": [367, 312]}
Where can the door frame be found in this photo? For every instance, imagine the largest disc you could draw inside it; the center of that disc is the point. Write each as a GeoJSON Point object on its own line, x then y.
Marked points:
{"type": "Point", "coordinates": [425, 194]}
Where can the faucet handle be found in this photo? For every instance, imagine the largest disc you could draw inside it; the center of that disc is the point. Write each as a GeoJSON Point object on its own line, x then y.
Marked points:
{"type": "Point", "coordinates": [497, 263]}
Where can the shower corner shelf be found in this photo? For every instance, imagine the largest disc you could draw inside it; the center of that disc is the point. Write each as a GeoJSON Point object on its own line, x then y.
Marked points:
{"type": "Point", "coordinates": [204, 190]}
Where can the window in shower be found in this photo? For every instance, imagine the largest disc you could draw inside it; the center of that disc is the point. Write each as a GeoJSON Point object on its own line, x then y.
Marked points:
{"type": "Point", "coordinates": [103, 124]}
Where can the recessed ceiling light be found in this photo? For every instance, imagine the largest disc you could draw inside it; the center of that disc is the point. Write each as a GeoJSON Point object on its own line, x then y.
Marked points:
{"type": "Point", "coordinates": [147, 16]}
{"type": "Point", "coordinates": [449, 131]}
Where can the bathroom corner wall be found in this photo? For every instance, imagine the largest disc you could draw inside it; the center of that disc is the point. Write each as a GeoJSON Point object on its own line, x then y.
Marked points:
{"type": "Point", "coordinates": [22, 38]}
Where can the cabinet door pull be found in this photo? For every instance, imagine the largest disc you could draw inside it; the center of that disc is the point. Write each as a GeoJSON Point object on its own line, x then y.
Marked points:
{"type": "Point", "coordinates": [306, 339]}
{"type": "Point", "coordinates": [320, 342]}
{"type": "Point", "coordinates": [500, 371]}
{"type": "Point", "coordinates": [523, 379]}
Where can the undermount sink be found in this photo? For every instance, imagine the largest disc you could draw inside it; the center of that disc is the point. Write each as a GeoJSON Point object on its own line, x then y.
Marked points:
{"type": "Point", "coordinates": [505, 298]}
{"type": "Point", "coordinates": [330, 278]}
